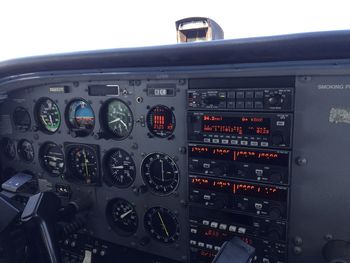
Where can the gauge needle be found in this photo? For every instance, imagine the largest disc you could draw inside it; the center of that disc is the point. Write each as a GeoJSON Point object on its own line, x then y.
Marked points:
{"type": "Point", "coordinates": [86, 164]}
{"type": "Point", "coordinates": [118, 167]}
{"type": "Point", "coordinates": [162, 168]}
{"type": "Point", "coordinates": [53, 157]}
{"type": "Point", "coordinates": [126, 126]}
{"type": "Point", "coordinates": [125, 214]}
{"type": "Point", "coordinates": [163, 225]}
{"type": "Point", "coordinates": [50, 117]}
{"type": "Point", "coordinates": [115, 120]}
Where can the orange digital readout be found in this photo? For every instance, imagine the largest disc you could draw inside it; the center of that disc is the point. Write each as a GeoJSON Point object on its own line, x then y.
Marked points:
{"type": "Point", "coordinates": [221, 184]}
{"type": "Point", "coordinates": [199, 149]}
{"type": "Point", "coordinates": [158, 122]}
{"type": "Point", "coordinates": [240, 155]}
{"type": "Point", "coordinates": [223, 129]}
{"type": "Point", "coordinates": [253, 188]}
{"type": "Point", "coordinates": [236, 125]}
{"type": "Point", "coordinates": [212, 233]}
{"type": "Point", "coordinates": [200, 181]}
{"type": "Point", "coordinates": [212, 118]}
{"type": "Point", "coordinates": [262, 155]}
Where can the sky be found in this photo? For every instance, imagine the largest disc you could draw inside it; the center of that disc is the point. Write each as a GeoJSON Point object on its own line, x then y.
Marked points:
{"type": "Point", "coordinates": [36, 27]}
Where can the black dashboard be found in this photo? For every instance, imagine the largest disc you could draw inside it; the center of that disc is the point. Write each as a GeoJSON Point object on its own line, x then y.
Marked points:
{"type": "Point", "coordinates": [179, 158]}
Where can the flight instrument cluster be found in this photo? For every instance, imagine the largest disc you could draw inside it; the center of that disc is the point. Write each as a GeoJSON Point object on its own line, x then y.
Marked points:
{"type": "Point", "coordinates": [119, 142]}
{"type": "Point", "coordinates": [175, 167]}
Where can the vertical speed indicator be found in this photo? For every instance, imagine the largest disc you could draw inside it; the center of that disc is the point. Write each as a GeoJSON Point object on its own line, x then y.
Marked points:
{"type": "Point", "coordinates": [120, 169]}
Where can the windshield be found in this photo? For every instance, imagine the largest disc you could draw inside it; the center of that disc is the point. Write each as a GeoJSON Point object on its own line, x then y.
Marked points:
{"type": "Point", "coordinates": [39, 27]}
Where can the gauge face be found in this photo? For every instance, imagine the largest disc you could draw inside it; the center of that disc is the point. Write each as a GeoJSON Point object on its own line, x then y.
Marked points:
{"type": "Point", "coordinates": [118, 118]}
{"type": "Point", "coordinates": [83, 166]}
{"type": "Point", "coordinates": [52, 158]}
{"type": "Point", "coordinates": [21, 119]}
{"type": "Point", "coordinates": [161, 121]}
{"type": "Point", "coordinates": [120, 168]}
{"type": "Point", "coordinates": [81, 117]}
{"type": "Point", "coordinates": [8, 148]}
{"type": "Point", "coordinates": [162, 225]}
{"type": "Point", "coordinates": [25, 150]}
{"type": "Point", "coordinates": [160, 173]}
{"type": "Point", "coordinates": [122, 217]}
{"type": "Point", "coordinates": [48, 115]}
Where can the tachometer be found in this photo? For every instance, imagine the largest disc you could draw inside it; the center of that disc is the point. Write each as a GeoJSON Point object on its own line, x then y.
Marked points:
{"type": "Point", "coordinates": [122, 217]}
{"type": "Point", "coordinates": [25, 150]}
{"type": "Point", "coordinates": [52, 158]}
{"type": "Point", "coordinates": [21, 119]}
{"type": "Point", "coordinates": [161, 121]}
{"type": "Point", "coordinates": [117, 118]}
{"type": "Point", "coordinates": [83, 164]}
{"type": "Point", "coordinates": [120, 168]}
{"type": "Point", "coordinates": [162, 225]}
{"type": "Point", "coordinates": [48, 115]}
{"type": "Point", "coordinates": [81, 117]}
{"type": "Point", "coordinates": [160, 173]}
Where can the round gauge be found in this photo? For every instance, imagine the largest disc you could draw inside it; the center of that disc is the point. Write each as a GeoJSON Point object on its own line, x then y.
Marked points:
{"type": "Point", "coordinates": [48, 115]}
{"type": "Point", "coordinates": [160, 173]}
{"type": "Point", "coordinates": [161, 121]}
{"type": "Point", "coordinates": [117, 118]}
{"type": "Point", "coordinates": [52, 158]}
{"type": "Point", "coordinates": [120, 168]}
{"type": "Point", "coordinates": [9, 148]}
{"type": "Point", "coordinates": [21, 119]}
{"type": "Point", "coordinates": [122, 217]}
{"type": "Point", "coordinates": [25, 150]}
{"type": "Point", "coordinates": [162, 225]}
{"type": "Point", "coordinates": [83, 165]}
{"type": "Point", "coordinates": [81, 117]}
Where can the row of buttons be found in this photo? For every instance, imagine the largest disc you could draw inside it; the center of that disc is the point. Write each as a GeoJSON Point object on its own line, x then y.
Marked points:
{"type": "Point", "coordinates": [245, 94]}
{"type": "Point", "coordinates": [236, 142]}
{"type": "Point", "coordinates": [231, 228]}
{"type": "Point", "coordinates": [202, 245]}
{"type": "Point", "coordinates": [245, 105]}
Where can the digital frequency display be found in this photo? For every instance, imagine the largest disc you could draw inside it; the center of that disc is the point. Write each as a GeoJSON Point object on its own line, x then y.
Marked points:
{"type": "Point", "coordinates": [236, 125]}
{"type": "Point", "coordinates": [240, 155]}
{"type": "Point", "coordinates": [260, 191]}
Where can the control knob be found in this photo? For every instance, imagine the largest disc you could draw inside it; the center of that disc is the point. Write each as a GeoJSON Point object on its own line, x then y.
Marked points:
{"type": "Point", "coordinates": [275, 212]}
{"type": "Point", "coordinates": [337, 251]}
{"type": "Point", "coordinates": [274, 233]}
{"type": "Point", "coordinates": [275, 100]}
{"type": "Point", "coordinates": [277, 139]}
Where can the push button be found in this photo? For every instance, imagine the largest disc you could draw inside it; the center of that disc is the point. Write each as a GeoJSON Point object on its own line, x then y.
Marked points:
{"type": "Point", "coordinates": [240, 105]}
{"type": "Point", "coordinates": [249, 94]}
{"type": "Point", "coordinates": [249, 105]}
{"type": "Point", "coordinates": [259, 94]}
{"type": "Point", "coordinates": [231, 104]}
{"type": "Point", "coordinates": [231, 94]}
{"type": "Point", "coordinates": [258, 105]}
{"type": "Point", "coordinates": [240, 95]}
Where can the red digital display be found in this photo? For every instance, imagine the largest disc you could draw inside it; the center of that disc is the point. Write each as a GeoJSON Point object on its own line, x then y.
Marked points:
{"type": "Point", "coordinates": [277, 158]}
{"type": "Point", "coordinates": [236, 125]}
{"type": "Point", "coordinates": [161, 121]}
{"type": "Point", "coordinates": [261, 191]}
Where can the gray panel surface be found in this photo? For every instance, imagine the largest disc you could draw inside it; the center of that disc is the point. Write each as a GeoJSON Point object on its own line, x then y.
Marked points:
{"type": "Point", "coordinates": [320, 193]}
